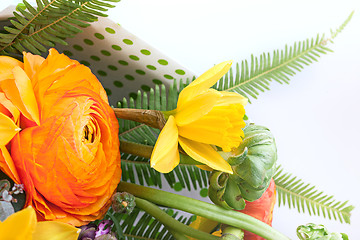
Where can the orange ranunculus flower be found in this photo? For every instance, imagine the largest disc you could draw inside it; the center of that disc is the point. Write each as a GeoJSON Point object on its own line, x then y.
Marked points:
{"type": "Point", "coordinates": [261, 209]}
{"type": "Point", "coordinates": [67, 153]}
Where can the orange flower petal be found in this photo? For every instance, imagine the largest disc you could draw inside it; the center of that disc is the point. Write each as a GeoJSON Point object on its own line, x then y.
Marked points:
{"type": "Point", "coordinates": [10, 108]}
{"type": "Point", "coordinates": [7, 165]}
{"type": "Point", "coordinates": [70, 163]}
{"type": "Point", "coordinates": [6, 65]}
{"type": "Point", "coordinates": [20, 92]}
{"type": "Point", "coordinates": [32, 63]}
{"type": "Point", "coordinates": [8, 129]}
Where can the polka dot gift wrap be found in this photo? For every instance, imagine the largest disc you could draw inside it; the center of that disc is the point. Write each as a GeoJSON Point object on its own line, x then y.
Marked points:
{"type": "Point", "coordinates": [122, 62]}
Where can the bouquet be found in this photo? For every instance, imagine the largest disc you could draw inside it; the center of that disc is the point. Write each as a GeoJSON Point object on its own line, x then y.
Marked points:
{"type": "Point", "coordinates": [78, 162]}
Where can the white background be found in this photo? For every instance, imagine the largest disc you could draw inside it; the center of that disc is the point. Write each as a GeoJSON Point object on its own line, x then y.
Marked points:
{"type": "Point", "coordinates": [315, 119]}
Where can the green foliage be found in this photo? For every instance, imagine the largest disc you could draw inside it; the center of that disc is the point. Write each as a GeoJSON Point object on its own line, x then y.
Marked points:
{"type": "Point", "coordinates": [141, 225]}
{"type": "Point", "coordinates": [342, 26]}
{"type": "Point", "coordinates": [251, 79]}
{"type": "Point", "coordinates": [296, 194]}
{"type": "Point", "coordinates": [35, 29]}
{"type": "Point", "coordinates": [137, 169]}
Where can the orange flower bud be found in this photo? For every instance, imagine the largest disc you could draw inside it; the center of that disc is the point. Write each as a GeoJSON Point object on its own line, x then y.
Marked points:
{"type": "Point", "coordinates": [67, 154]}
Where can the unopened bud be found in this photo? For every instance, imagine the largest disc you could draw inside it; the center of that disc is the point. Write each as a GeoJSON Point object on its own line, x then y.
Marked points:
{"type": "Point", "coordinates": [123, 202]}
{"type": "Point", "coordinates": [253, 165]}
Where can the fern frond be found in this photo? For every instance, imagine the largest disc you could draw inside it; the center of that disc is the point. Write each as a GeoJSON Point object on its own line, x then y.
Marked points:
{"type": "Point", "coordinates": [342, 26]}
{"type": "Point", "coordinates": [252, 78]}
{"type": "Point", "coordinates": [35, 30]}
{"type": "Point", "coordinates": [141, 225]}
{"type": "Point", "coordinates": [296, 194]}
{"type": "Point", "coordinates": [137, 169]}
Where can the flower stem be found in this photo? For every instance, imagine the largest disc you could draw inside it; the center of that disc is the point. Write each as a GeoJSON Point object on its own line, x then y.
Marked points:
{"type": "Point", "coordinates": [137, 149]}
{"type": "Point", "coordinates": [170, 222]}
{"type": "Point", "coordinates": [207, 210]}
{"type": "Point", "coordinates": [152, 118]}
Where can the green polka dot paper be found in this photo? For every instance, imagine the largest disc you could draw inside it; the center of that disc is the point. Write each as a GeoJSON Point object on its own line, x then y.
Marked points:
{"type": "Point", "coordinates": [122, 62]}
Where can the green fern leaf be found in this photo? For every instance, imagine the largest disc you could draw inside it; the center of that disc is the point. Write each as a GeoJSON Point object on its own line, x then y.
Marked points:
{"type": "Point", "coordinates": [35, 30]}
{"type": "Point", "coordinates": [296, 194]}
{"type": "Point", "coordinates": [141, 225]}
{"type": "Point", "coordinates": [252, 78]}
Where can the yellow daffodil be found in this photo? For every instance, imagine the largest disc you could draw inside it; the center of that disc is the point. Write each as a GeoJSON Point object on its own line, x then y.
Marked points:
{"type": "Point", "coordinates": [204, 117]}
{"type": "Point", "coordinates": [23, 225]}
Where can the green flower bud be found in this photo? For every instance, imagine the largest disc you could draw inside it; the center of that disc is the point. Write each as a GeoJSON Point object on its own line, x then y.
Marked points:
{"type": "Point", "coordinates": [123, 202]}
{"type": "Point", "coordinates": [253, 164]}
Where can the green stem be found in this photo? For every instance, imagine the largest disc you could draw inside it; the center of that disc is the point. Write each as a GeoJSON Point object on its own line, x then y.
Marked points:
{"type": "Point", "coordinates": [178, 236]}
{"type": "Point", "coordinates": [137, 149]}
{"type": "Point", "coordinates": [170, 222]}
{"type": "Point", "coordinates": [207, 210]}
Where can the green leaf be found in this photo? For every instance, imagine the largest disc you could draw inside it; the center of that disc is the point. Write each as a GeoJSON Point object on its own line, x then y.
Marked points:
{"type": "Point", "coordinates": [141, 225]}
{"type": "Point", "coordinates": [251, 79]}
{"type": "Point", "coordinates": [296, 194]}
{"type": "Point", "coordinates": [52, 20]}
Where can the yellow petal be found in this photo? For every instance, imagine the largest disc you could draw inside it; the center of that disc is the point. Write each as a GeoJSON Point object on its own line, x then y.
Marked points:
{"type": "Point", "coordinates": [197, 107]}
{"type": "Point", "coordinates": [205, 81]}
{"type": "Point", "coordinates": [52, 230]}
{"type": "Point", "coordinates": [204, 153]}
{"type": "Point", "coordinates": [8, 129]}
{"type": "Point", "coordinates": [203, 224]}
{"type": "Point", "coordinates": [165, 156]}
{"type": "Point", "coordinates": [6, 65]}
{"type": "Point", "coordinates": [231, 98]}
{"type": "Point", "coordinates": [19, 226]}
{"type": "Point", "coordinates": [7, 165]}
{"type": "Point", "coordinates": [21, 94]}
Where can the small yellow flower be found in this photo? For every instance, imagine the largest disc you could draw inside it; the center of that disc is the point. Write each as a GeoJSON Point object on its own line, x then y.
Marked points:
{"type": "Point", "coordinates": [23, 225]}
{"type": "Point", "coordinates": [204, 117]}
